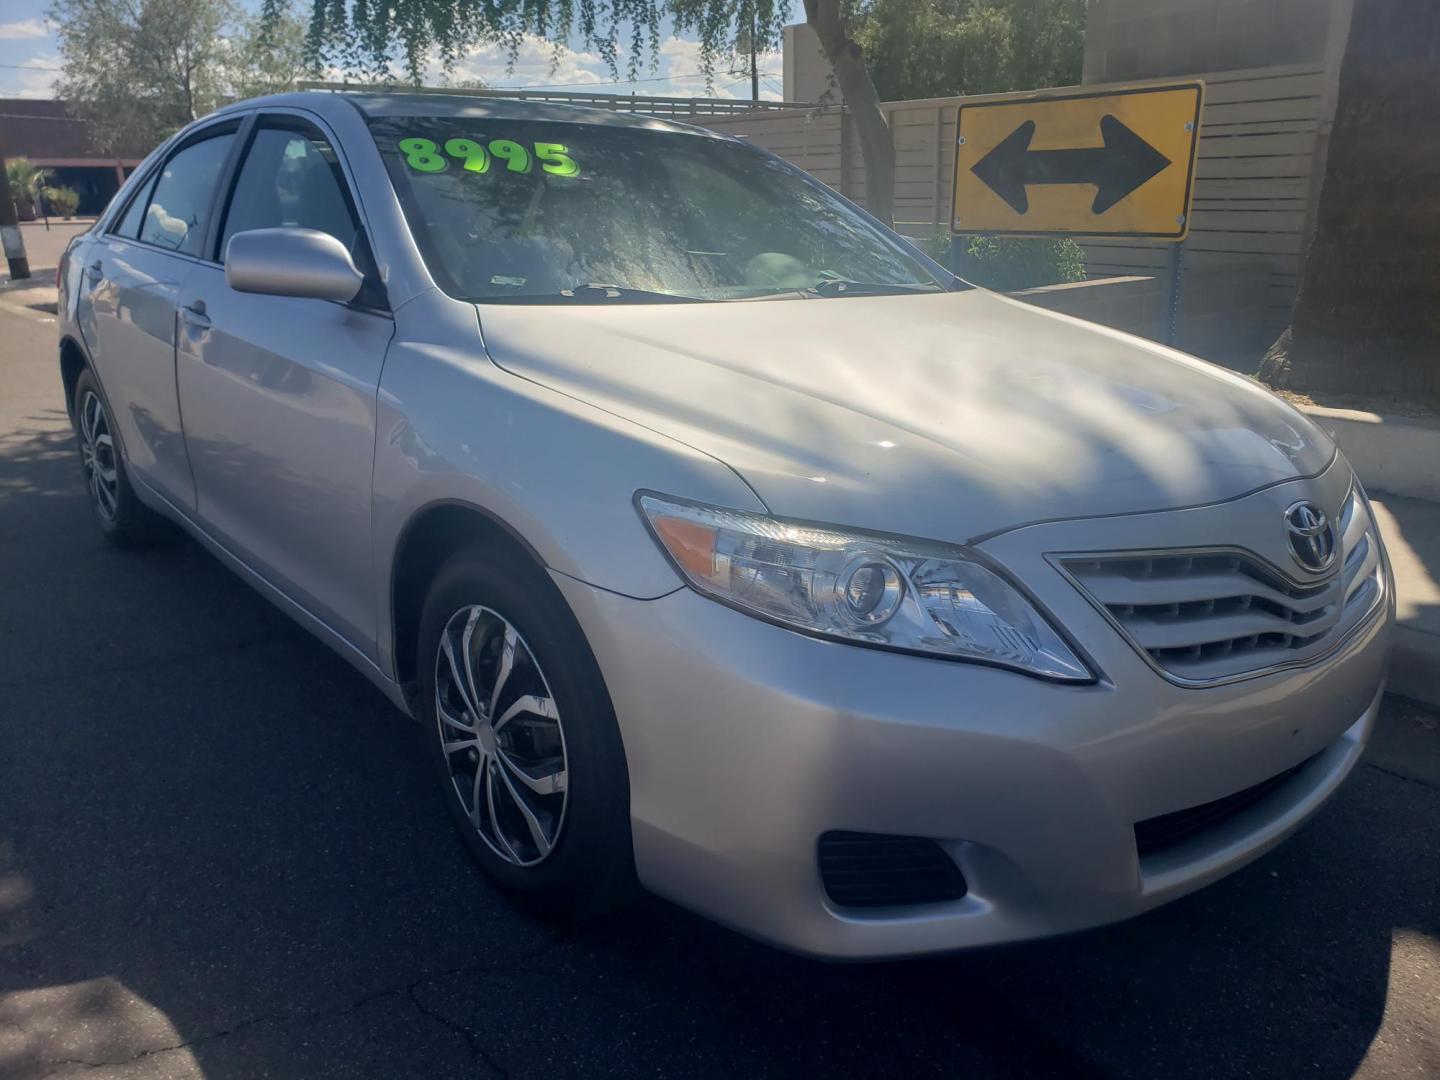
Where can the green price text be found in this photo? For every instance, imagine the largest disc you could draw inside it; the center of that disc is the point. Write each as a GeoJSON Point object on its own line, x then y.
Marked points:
{"type": "Point", "coordinates": [498, 155]}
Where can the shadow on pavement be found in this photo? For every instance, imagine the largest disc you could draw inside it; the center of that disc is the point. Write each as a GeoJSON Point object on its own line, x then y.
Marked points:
{"type": "Point", "coordinates": [38, 461]}
{"type": "Point", "coordinates": [221, 854]}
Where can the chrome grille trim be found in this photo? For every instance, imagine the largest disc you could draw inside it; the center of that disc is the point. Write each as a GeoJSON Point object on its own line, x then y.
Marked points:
{"type": "Point", "coordinates": [1214, 615]}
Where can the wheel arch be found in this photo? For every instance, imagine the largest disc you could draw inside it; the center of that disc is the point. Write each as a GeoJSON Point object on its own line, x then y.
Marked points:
{"type": "Point", "coordinates": [431, 535]}
{"type": "Point", "coordinates": [73, 361]}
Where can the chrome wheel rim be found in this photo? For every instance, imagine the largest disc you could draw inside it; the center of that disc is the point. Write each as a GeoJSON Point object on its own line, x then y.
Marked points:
{"type": "Point", "coordinates": [97, 451]}
{"type": "Point", "coordinates": [501, 736]}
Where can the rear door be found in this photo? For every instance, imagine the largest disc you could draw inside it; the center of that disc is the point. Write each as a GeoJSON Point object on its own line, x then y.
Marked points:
{"type": "Point", "coordinates": [278, 393]}
{"type": "Point", "coordinates": [128, 301]}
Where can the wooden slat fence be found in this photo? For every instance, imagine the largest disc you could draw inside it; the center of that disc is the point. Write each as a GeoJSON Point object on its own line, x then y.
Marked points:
{"type": "Point", "coordinates": [1253, 186]}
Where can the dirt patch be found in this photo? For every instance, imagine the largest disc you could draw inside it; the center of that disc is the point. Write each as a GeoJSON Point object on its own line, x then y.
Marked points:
{"type": "Point", "coordinates": [1387, 404]}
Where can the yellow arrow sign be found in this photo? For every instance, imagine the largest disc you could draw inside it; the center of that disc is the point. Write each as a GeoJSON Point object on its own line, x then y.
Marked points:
{"type": "Point", "coordinates": [1103, 161]}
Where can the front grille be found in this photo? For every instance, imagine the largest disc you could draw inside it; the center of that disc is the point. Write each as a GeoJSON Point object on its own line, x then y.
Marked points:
{"type": "Point", "coordinates": [1158, 833]}
{"type": "Point", "coordinates": [873, 870]}
{"type": "Point", "coordinates": [1209, 615]}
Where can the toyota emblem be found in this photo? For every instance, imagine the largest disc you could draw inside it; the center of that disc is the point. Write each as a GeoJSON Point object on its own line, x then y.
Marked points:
{"type": "Point", "coordinates": [1312, 540]}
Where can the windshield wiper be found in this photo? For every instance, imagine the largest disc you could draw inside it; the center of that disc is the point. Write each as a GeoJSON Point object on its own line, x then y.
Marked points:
{"type": "Point", "coordinates": [841, 287]}
{"type": "Point", "coordinates": [598, 291]}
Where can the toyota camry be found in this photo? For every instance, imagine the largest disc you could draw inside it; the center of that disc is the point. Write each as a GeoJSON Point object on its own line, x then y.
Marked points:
{"type": "Point", "coordinates": [719, 541]}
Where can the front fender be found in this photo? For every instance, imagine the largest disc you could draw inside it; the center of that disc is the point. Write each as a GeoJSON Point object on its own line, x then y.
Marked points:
{"type": "Point", "coordinates": [559, 474]}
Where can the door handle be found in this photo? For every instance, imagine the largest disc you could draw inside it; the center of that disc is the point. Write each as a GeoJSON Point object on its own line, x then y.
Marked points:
{"type": "Point", "coordinates": [194, 315]}
{"type": "Point", "coordinates": [94, 272]}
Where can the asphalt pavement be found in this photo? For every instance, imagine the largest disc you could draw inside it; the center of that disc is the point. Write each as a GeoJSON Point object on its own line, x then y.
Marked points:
{"type": "Point", "coordinates": [222, 855]}
{"type": "Point", "coordinates": [45, 243]}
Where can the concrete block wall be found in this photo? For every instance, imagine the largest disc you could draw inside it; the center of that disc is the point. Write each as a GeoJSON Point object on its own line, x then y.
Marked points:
{"type": "Point", "coordinates": [1133, 304]}
{"type": "Point", "coordinates": [1221, 311]}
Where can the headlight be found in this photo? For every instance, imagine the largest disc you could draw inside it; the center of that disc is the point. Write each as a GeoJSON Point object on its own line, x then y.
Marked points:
{"type": "Point", "coordinates": [877, 590]}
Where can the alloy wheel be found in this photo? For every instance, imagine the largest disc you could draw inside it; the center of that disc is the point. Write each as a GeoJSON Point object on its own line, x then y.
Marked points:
{"type": "Point", "coordinates": [501, 736]}
{"type": "Point", "coordinates": [97, 451]}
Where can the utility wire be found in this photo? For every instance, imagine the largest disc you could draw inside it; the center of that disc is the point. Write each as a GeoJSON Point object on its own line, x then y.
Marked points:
{"type": "Point", "coordinates": [48, 119]}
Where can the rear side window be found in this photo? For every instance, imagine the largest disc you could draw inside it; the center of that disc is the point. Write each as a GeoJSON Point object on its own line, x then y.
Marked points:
{"type": "Point", "coordinates": [176, 218]}
{"type": "Point", "coordinates": [129, 226]}
{"type": "Point", "coordinates": [290, 179]}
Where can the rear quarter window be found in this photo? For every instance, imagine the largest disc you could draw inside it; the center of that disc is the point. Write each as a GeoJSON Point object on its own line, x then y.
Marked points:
{"type": "Point", "coordinates": [179, 208]}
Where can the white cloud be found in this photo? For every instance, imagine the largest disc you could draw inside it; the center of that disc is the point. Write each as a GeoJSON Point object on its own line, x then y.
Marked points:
{"type": "Point", "coordinates": [25, 29]}
{"type": "Point", "coordinates": [35, 78]}
{"type": "Point", "coordinates": [680, 60]}
{"type": "Point", "coordinates": [675, 73]}
{"type": "Point", "coordinates": [537, 61]}
{"type": "Point", "coordinates": [682, 49]}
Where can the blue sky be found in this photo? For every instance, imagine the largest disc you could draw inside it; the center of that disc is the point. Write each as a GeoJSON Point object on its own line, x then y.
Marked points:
{"type": "Point", "coordinates": [28, 53]}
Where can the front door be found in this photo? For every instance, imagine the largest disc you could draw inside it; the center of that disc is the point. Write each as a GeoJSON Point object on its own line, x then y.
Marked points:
{"type": "Point", "coordinates": [127, 305]}
{"type": "Point", "coordinates": [278, 393]}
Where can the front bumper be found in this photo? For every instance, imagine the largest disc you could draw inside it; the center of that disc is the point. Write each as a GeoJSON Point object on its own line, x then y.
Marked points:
{"type": "Point", "coordinates": [746, 742]}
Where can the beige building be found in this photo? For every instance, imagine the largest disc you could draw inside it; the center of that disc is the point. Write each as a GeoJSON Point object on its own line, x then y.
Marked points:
{"type": "Point", "coordinates": [807, 73]}
{"type": "Point", "coordinates": [1146, 39]}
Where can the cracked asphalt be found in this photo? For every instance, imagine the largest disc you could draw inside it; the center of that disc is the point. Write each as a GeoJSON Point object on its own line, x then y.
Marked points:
{"type": "Point", "coordinates": [221, 855]}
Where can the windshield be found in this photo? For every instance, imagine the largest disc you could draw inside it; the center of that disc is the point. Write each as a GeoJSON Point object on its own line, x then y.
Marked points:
{"type": "Point", "coordinates": [545, 212]}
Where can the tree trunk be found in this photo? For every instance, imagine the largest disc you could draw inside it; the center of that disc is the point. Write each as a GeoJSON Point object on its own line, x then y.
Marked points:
{"type": "Point", "coordinates": [187, 88]}
{"type": "Point", "coordinates": [1367, 317]}
{"type": "Point", "coordinates": [877, 144]}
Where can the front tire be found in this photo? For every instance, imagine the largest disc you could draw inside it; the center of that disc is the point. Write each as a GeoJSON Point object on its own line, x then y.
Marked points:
{"type": "Point", "coordinates": [523, 736]}
{"type": "Point", "coordinates": [122, 517]}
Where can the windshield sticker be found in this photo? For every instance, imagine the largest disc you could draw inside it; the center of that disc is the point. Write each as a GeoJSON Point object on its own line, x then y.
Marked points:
{"type": "Point", "coordinates": [498, 155]}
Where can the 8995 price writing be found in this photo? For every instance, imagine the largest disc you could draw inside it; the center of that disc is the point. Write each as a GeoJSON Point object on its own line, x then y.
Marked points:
{"type": "Point", "coordinates": [424, 155]}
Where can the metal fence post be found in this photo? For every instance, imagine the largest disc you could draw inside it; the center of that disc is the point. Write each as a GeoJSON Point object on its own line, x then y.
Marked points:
{"type": "Point", "coordinates": [1174, 268]}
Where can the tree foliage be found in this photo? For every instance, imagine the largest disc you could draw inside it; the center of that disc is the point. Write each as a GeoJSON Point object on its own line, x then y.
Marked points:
{"type": "Point", "coordinates": [266, 58]}
{"type": "Point", "coordinates": [937, 48]}
{"type": "Point", "coordinates": [366, 38]}
{"type": "Point", "coordinates": [140, 69]}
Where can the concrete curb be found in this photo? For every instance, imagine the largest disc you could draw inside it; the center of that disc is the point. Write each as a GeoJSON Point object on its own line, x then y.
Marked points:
{"type": "Point", "coordinates": [1415, 666]}
{"type": "Point", "coordinates": [1400, 456]}
{"type": "Point", "coordinates": [1411, 528]}
{"type": "Point", "coordinates": [33, 297]}
{"type": "Point", "coordinates": [1397, 454]}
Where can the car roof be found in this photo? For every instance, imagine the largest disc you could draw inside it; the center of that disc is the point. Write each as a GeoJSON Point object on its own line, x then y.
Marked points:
{"type": "Point", "coordinates": [468, 106]}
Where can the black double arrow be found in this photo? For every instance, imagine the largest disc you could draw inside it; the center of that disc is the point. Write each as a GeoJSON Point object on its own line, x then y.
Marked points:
{"type": "Point", "coordinates": [1118, 167]}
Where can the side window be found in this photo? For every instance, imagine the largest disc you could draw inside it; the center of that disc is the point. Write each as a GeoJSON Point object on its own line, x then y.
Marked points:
{"type": "Point", "coordinates": [290, 179]}
{"type": "Point", "coordinates": [184, 193]}
{"type": "Point", "coordinates": [129, 225]}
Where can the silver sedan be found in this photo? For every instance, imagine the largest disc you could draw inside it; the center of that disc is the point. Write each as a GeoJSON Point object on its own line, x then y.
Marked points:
{"type": "Point", "coordinates": [720, 541]}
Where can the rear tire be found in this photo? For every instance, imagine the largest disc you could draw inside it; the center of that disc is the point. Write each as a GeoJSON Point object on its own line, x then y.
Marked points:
{"type": "Point", "coordinates": [523, 736]}
{"type": "Point", "coordinates": [122, 517]}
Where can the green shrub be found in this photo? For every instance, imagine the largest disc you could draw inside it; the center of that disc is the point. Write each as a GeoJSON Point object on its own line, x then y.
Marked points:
{"type": "Point", "coordinates": [1008, 263]}
{"type": "Point", "coordinates": [63, 201]}
{"type": "Point", "coordinates": [26, 180]}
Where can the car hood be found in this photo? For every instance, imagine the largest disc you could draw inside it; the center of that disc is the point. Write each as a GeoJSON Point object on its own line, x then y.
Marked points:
{"type": "Point", "coordinates": [949, 415]}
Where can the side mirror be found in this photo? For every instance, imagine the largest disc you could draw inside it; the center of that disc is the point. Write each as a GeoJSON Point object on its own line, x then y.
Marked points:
{"type": "Point", "coordinates": [291, 262]}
